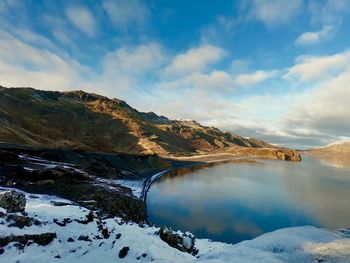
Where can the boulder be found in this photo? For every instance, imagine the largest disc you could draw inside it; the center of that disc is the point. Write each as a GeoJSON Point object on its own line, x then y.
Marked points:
{"type": "Point", "coordinates": [13, 201]}
{"type": "Point", "coordinates": [184, 242]}
{"type": "Point", "coordinates": [123, 252]}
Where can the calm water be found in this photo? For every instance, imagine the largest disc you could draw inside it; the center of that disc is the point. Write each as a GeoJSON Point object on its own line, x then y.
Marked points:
{"type": "Point", "coordinates": [232, 202]}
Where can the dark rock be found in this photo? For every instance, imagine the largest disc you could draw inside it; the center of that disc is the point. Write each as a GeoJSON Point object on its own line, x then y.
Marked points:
{"type": "Point", "coordinates": [22, 221]}
{"type": "Point", "coordinates": [123, 252]}
{"type": "Point", "coordinates": [19, 246]}
{"type": "Point", "coordinates": [121, 204]}
{"type": "Point", "coordinates": [183, 242]}
{"type": "Point", "coordinates": [57, 256]}
{"type": "Point", "coordinates": [89, 218]}
{"type": "Point", "coordinates": [117, 236]}
{"type": "Point", "coordinates": [2, 214]}
{"type": "Point", "coordinates": [144, 255]}
{"type": "Point", "coordinates": [46, 183]}
{"type": "Point", "coordinates": [84, 238]}
{"type": "Point", "coordinates": [70, 240]}
{"type": "Point", "coordinates": [40, 239]}
{"type": "Point", "coordinates": [58, 203]}
{"type": "Point", "coordinates": [1, 250]}
{"type": "Point", "coordinates": [13, 201]}
{"type": "Point", "coordinates": [105, 233]}
{"type": "Point", "coordinates": [9, 158]}
{"type": "Point", "coordinates": [59, 223]}
{"type": "Point", "coordinates": [44, 239]}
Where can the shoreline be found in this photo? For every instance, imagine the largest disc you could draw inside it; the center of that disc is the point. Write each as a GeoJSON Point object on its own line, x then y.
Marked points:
{"type": "Point", "coordinates": [207, 162]}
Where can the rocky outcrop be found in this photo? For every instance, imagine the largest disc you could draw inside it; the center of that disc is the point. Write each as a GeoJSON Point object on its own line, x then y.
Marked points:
{"type": "Point", "coordinates": [268, 153]}
{"type": "Point", "coordinates": [40, 239]}
{"type": "Point", "coordinates": [76, 175]}
{"type": "Point", "coordinates": [21, 221]}
{"type": "Point", "coordinates": [13, 201]}
{"type": "Point", "coordinates": [184, 242]}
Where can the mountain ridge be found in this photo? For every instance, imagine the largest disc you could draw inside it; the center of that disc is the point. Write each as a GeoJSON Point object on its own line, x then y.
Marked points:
{"type": "Point", "coordinates": [337, 148]}
{"type": "Point", "coordinates": [88, 121]}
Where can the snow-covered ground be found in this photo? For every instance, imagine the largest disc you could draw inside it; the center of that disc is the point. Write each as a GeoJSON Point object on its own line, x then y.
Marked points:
{"type": "Point", "coordinates": [299, 244]}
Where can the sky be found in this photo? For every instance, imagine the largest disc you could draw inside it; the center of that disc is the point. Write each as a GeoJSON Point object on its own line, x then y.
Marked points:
{"type": "Point", "coordinates": [278, 70]}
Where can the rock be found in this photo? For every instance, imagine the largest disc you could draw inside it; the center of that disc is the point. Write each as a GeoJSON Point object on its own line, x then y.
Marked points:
{"type": "Point", "coordinates": [1, 250]}
{"type": "Point", "coordinates": [13, 201]}
{"type": "Point", "coordinates": [58, 203]}
{"type": "Point", "coordinates": [70, 240]}
{"type": "Point", "coordinates": [46, 182]}
{"type": "Point", "coordinates": [123, 252]}
{"type": "Point", "coordinates": [84, 238]}
{"type": "Point", "coordinates": [104, 231]}
{"type": "Point", "coordinates": [9, 158]}
{"type": "Point", "coordinates": [22, 221]}
{"type": "Point", "coordinates": [40, 239]}
{"type": "Point", "coordinates": [43, 239]}
{"type": "Point", "coordinates": [89, 218]}
{"type": "Point", "coordinates": [184, 242]}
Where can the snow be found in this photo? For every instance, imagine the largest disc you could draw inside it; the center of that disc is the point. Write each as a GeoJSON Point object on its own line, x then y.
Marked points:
{"type": "Point", "coordinates": [36, 161]}
{"type": "Point", "coordinates": [299, 244]}
{"type": "Point", "coordinates": [337, 143]}
{"type": "Point", "coordinates": [136, 186]}
{"type": "Point", "coordinates": [139, 188]}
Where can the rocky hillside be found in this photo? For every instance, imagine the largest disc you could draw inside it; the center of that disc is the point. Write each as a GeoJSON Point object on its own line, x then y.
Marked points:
{"type": "Point", "coordinates": [337, 148]}
{"type": "Point", "coordinates": [84, 121]}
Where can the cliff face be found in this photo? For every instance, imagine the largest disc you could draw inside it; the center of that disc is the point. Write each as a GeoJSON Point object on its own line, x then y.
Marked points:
{"type": "Point", "coordinates": [85, 121]}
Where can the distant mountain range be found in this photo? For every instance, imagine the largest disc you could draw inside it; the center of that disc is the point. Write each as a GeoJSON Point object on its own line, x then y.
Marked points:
{"type": "Point", "coordinates": [336, 148]}
{"type": "Point", "coordinates": [81, 120]}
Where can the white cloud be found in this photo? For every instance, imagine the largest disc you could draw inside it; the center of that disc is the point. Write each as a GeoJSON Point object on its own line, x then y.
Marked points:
{"type": "Point", "coordinates": [126, 13]}
{"type": "Point", "coordinates": [309, 38]}
{"type": "Point", "coordinates": [195, 60]}
{"type": "Point", "coordinates": [273, 12]}
{"type": "Point", "coordinates": [215, 82]}
{"type": "Point", "coordinates": [123, 67]}
{"type": "Point", "coordinates": [22, 64]}
{"type": "Point", "coordinates": [326, 109]}
{"type": "Point", "coordinates": [317, 68]}
{"type": "Point", "coordinates": [82, 18]}
{"type": "Point", "coordinates": [329, 11]}
{"type": "Point", "coordinates": [137, 59]}
{"type": "Point", "coordinates": [256, 77]}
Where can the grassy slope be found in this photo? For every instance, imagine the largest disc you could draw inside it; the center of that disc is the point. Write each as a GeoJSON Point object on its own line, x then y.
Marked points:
{"type": "Point", "coordinates": [89, 121]}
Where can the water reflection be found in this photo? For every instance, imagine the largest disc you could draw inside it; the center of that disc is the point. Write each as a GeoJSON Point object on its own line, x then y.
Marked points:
{"type": "Point", "coordinates": [342, 161]}
{"type": "Point", "coordinates": [237, 201]}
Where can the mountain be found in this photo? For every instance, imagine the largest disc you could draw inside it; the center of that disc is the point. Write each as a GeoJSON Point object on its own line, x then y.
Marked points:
{"type": "Point", "coordinates": [336, 148]}
{"type": "Point", "coordinates": [86, 121]}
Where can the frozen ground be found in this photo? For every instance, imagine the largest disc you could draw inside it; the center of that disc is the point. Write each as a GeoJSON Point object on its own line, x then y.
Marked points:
{"type": "Point", "coordinates": [299, 244]}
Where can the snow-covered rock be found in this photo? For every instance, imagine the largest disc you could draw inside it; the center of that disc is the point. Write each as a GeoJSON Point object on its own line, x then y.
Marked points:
{"type": "Point", "coordinates": [184, 242]}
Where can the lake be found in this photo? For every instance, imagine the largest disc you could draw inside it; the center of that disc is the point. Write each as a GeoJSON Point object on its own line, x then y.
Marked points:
{"type": "Point", "coordinates": [240, 200]}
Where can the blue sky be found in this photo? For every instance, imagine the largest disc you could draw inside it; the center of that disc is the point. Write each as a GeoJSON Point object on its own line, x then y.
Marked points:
{"type": "Point", "coordinates": [278, 70]}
